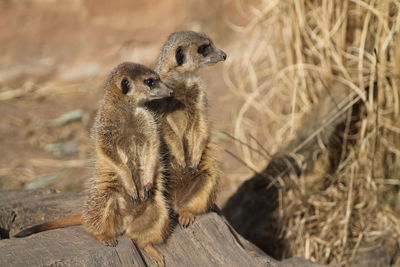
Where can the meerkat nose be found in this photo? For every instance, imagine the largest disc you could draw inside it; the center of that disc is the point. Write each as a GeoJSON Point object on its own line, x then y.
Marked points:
{"type": "Point", "coordinates": [170, 92]}
{"type": "Point", "coordinates": [223, 55]}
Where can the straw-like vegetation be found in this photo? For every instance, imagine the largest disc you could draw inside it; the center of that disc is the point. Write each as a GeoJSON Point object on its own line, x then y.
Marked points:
{"type": "Point", "coordinates": [299, 59]}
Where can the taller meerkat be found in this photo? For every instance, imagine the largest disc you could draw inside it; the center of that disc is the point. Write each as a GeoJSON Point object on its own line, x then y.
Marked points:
{"type": "Point", "coordinates": [193, 175]}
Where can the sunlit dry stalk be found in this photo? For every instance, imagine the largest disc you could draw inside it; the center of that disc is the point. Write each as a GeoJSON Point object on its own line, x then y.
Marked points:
{"type": "Point", "coordinates": [294, 54]}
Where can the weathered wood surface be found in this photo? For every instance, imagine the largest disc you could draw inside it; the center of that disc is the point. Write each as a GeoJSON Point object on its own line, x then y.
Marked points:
{"type": "Point", "coordinates": [210, 241]}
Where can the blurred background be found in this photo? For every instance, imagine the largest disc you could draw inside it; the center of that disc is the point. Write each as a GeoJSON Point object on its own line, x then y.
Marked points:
{"type": "Point", "coordinates": [305, 112]}
{"type": "Point", "coordinates": [55, 55]}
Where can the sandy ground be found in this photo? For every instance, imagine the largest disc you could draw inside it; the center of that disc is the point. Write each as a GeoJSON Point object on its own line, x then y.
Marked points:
{"type": "Point", "coordinates": [54, 58]}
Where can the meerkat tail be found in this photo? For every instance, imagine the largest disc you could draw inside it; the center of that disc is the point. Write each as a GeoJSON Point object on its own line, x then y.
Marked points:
{"type": "Point", "coordinates": [60, 223]}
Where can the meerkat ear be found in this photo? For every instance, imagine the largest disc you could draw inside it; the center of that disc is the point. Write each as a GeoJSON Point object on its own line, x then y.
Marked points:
{"type": "Point", "coordinates": [125, 85]}
{"type": "Point", "coordinates": [180, 56]}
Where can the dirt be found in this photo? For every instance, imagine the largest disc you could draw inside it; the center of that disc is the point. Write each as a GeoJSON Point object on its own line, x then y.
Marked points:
{"type": "Point", "coordinates": [56, 57]}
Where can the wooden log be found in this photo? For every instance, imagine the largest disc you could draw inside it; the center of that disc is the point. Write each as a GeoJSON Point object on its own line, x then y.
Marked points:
{"type": "Point", "coordinates": [210, 241]}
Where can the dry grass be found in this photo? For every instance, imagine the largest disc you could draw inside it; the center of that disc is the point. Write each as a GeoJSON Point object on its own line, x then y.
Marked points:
{"type": "Point", "coordinates": [294, 55]}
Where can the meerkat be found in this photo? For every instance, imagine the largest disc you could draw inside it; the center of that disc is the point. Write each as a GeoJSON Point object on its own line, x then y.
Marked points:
{"type": "Point", "coordinates": [127, 193]}
{"type": "Point", "coordinates": [192, 172]}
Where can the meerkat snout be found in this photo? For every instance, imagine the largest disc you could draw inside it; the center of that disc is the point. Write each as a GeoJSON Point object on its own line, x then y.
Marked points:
{"type": "Point", "coordinates": [170, 92]}
{"type": "Point", "coordinates": [219, 56]}
{"type": "Point", "coordinates": [224, 56]}
{"type": "Point", "coordinates": [160, 91]}
{"type": "Point", "coordinates": [210, 54]}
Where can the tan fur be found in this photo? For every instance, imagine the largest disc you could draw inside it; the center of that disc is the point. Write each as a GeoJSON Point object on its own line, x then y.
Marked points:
{"type": "Point", "coordinates": [127, 163]}
{"type": "Point", "coordinates": [193, 175]}
{"type": "Point", "coordinates": [60, 223]}
{"type": "Point", "coordinates": [128, 159]}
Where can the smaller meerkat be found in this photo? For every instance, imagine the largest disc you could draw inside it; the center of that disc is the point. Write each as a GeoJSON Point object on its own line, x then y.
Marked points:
{"type": "Point", "coordinates": [192, 173]}
{"type": "Point", "coordinates": [127, 193]}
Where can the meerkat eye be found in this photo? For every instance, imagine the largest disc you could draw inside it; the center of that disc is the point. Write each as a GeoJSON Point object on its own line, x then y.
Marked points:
{"type": "Point", "coordinates": [179, 56]}
{"type": "Point", "coordinates": [150, 82]}
{"type": "Point", "coordinates": [125, 85]}
{"type": "Point", "coordinates": [204, 49]}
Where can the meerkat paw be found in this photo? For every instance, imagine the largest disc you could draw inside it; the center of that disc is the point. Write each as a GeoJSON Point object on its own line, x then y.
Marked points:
{"type": "Point", "coordinates": [155, 255]}
{"type": "Point", "coordinates": [194, 166]}
{"type": "Point", "coordinates": [186, 218]}
{"type": "Point", "coordinates": [194, 163]}
{"type": "Point", "coordinates": [107, 241]}
{"type": "Point", "coordinates": [181, 163]}
{"type": "Point", "coordinates": [112, 242]}
{"type": "Point", "coordinates": [148, 190]}
{"type": "Point", "coordinates": [189, 168]}
{"type": "Point", "coordinates": [133, 194]}
{"type": "Point", "coordinates": [184, 167]}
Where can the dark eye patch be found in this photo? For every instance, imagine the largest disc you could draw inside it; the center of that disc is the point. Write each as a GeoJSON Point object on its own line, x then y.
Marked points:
{"type": "Point", "coordinates": [125, 85]}
{"type": "Point", "coordinates": [179, 56]}
{"type": "Point", "coordinates": [150, 82]}
{"type": "Point", "coordinates": [204, 49]}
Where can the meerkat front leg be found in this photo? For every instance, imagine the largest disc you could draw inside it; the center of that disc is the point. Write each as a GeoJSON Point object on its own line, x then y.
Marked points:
{"type": "Point", "coordinates": [197, 138]}
{"type": "Point", "coordinates": [150, 164]}
{"type": "Point", "coordinates": [127, 181]}
{"type": "Point", "coordinates": [174, 140]}
{"type": "Point", "coordinates": [111, 156]}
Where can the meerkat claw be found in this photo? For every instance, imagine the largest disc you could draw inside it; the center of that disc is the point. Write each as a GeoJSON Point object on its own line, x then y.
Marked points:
{"type": "Point", "coordinates": [186, 219]}
{"type": "Point", "coordinates": [112, 242]}
{"type": "Point", "coordinates": [194, 167]}
{"type": "Point", "coordinates": [184, 167]}
{"type": "Point", "coordinates": [134, 196]}
{"type": "Point", "coordinates": [135, 199]}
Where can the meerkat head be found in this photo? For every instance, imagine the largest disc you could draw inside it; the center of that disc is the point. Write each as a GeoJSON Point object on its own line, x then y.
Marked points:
{"type": "Point", "coordinates": [136, 83]}
{"type": "Point", "coordinates": [187, 51]}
